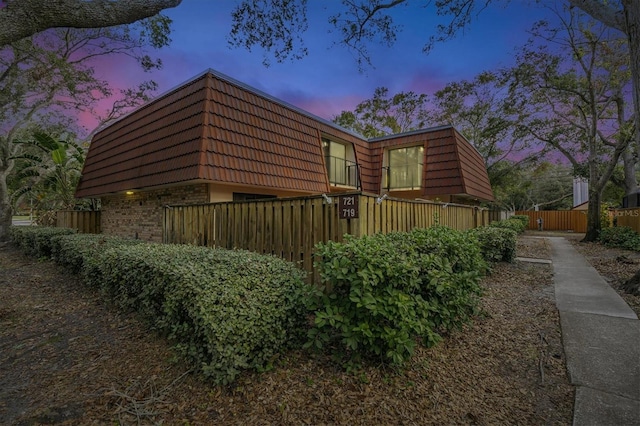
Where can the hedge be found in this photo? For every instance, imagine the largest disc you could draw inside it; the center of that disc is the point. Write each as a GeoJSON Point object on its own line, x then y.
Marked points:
{"type": "Point", "coordinates": [515, 223]}
{"type": "Point", "coordinates": [382, 292]}
{"type": "Point", "coordinates": [225, 310]}
{"type": "Point", "coordinates": [80, 253]}
{"type": "Point", "coordinates": [496, 244]}
{"type": "Point", "coordinates": [36, 240]}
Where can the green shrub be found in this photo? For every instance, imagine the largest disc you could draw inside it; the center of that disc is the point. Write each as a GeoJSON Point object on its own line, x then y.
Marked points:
{"type": "Point", "coordinates": [496, 244]}
{"type": "Point", "coordinates": [514, 224]}
{"type": "Point", "coordinates": [384, 291]}
{"type": "Point", "coordinates": [227, 310]}
{"type": "Point", "coordinates": [36, 240]}
{"type": "Point", "coordinates": [522, 218]}
{"type": "Point", "coordinates": [620, 236]}
{"type": "Point", "coordinates": [80, 253]}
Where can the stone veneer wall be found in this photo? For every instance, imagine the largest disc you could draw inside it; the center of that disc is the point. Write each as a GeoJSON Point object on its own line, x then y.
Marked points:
{"type": "Point", "coordinates": [139, 215]}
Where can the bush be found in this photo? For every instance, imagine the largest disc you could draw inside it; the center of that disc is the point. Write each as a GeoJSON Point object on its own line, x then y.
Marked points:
{"type": "Point", "coordinates": [227, 310]}
{"type": "Point", "coordinates": [522, 218]}
{"type": "Point", "coordinates": [496, 244]}
{"type": "Point", "coordinates": [620, 236]}
{"type": "Point", "coordinates": [516, 225]}
{"type": "Point", "coordinates": [80, 252]}
{"type": "Point", "coordinates": [384, 291]}
{"type": "Point", "coordinates": [36, 240]}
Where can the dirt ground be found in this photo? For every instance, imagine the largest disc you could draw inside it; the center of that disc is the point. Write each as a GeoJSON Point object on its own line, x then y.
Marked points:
{"type": "Point", "coordinates": [68, 358]}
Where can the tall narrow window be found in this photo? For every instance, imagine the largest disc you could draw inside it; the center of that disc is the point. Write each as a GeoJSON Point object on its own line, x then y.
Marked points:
{"type": "Point", "coordinates": [340, 169]}
{"type": "Point", "coordinates": [405, 168]}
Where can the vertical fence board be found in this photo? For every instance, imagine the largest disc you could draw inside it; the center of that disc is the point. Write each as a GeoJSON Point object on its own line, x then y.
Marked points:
{"type": "Point", "coordinates": [86, 222]}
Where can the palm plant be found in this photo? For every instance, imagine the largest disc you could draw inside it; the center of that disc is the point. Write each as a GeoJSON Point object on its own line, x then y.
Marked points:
{"type": "Point", "coordinates": [48, 170]}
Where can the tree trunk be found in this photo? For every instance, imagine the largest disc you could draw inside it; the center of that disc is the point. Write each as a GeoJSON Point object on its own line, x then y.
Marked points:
{"type": "Point", "coordinates": [632, 285]}
{"type": "Point", "coordinates": [6, 212]}
{"type": "Point", "coordinates": [629, 160]}
{"type": "Point", "coordinates": [632, 22]}
{"type": "Point", "coordinates": [593, 216]}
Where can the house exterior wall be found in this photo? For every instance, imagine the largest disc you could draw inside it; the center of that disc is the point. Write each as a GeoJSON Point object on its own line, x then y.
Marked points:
{"type": "Point", "coordinates": [139, 215]}
{"type": "Point", "coordinates": [217, 130]}
{"type": "Point", "coordinates": [220, 193]}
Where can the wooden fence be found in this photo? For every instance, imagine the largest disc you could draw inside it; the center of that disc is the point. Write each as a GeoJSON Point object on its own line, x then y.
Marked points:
{"type": "Point", "coordinates": [627, 217]}
{"type": "Point", "coordinates": [558, 220]}
{"type": "Point", "coordinates": [86, 222]}
{"type": "Point", "coordinates": [291, 227]}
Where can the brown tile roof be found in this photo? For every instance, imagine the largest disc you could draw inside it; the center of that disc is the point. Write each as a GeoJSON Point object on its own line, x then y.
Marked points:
{"type": "Point", "coordinates": [452, 166]}
{"type": "Point", "coordinates": [217, 129]}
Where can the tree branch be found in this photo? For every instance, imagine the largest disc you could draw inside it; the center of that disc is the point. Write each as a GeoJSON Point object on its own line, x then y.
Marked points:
{"type": "Point", "coordinates": [603, 12]}
{"type": "Point", "coordinates": [23, 18]}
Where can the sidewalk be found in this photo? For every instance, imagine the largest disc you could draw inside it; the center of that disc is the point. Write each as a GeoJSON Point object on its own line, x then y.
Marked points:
{"type": "Point", "coordinates": [601, 338]}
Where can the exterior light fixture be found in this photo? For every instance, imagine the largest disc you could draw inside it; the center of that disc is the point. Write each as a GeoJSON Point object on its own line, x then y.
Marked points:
{"type": "Point", "coordinates": [379, 200]}
{"type": "Point", "coordinates": [129, 192]}
{"type": "Point", "coordinates": [327, 199]}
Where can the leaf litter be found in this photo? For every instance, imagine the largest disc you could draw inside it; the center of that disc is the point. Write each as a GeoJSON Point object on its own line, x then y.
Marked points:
{"type": "Point", "coordinates": [69, 358]}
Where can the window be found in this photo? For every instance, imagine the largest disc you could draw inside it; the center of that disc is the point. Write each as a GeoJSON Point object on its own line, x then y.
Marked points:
{"type": "Point", "coordinates": [405, 168]}
{"type": "Point", "coordinates": [340, 167]}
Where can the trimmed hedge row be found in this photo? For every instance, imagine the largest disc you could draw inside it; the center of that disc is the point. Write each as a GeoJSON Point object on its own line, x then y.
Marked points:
{"type": "Point", "coordinates": [80, 253]}
{"type": "Point", "coordinates": [229, 310]}
{"type": "Point", "coordinates": [384, 291]}
{"type": "Point", "coordinates": [226, 310]}
{"type": "Point", "coordinates": [36, 240]}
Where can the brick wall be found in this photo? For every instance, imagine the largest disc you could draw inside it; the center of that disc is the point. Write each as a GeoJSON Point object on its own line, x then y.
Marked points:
{"type": "Point", "coordinates": [139, 215]}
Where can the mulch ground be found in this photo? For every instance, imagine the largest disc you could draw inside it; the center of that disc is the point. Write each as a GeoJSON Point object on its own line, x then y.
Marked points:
{"type": "Point", "coordinates": [68, 358]}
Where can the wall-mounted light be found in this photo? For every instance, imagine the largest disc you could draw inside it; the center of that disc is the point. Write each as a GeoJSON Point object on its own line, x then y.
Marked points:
{"type": "Point", "coordinates": [444, 206]}
{"type": "Point", "coordinates": [327, 199]}
{"type": "Point", "coordinates": [129, 192]}
{"type": "Point", "coordinates": [379, 200]}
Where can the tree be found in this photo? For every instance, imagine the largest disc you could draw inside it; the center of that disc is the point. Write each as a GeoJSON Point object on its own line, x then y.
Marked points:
{"type": "Point", "coordinates": [49, 77]}
{"type": "Point", "coordinates": [573, 100]}
{"type": "Point", "coordinates": [23, 18]}
{"type": "Point", "coordinates": [483, 112]}
{"type": "Point", "coordinates": [47, 171]}
{"type": "Point", "coordinates": [544, 186]}
{"type": "Point", "coordinates": [384, 115]}
{"type": "Point", "coordinates": [277, 26]}
{"type": "Point", "coordinates": [625, 17]}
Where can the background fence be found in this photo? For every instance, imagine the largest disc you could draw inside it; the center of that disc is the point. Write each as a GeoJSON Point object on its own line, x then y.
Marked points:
{"type": "Point", "coordinates": [627, 217]}
{"type": "Point", "coordinates": [86, 222]}
{"type": "Point", "coordinates": [291, 227]}
{"type": "Point", "coordinates": [558, 220]}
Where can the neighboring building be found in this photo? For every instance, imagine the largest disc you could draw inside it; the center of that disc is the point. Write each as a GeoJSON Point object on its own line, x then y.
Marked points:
{"type": "Point", "coordinates": [582, 207]}
{"type": "Point", "coordinates": [580, 191]}
{"type": "Point", "coordinates": [215, 139]}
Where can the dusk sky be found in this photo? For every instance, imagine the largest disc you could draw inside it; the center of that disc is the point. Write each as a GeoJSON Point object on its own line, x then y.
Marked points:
{"type": "Point", "coordinates": [328, 81]}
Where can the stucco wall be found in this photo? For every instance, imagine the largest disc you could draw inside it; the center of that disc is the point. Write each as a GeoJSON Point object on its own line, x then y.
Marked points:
{"type": "Point", "coordinates": [139, 215]}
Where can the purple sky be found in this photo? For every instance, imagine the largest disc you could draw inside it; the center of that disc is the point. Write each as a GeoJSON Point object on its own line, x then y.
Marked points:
{"type": "Point", "coordinates": [328, 81]}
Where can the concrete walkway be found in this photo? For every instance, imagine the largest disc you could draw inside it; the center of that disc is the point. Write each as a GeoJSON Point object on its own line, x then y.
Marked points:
{"type": "Point", "coordinates": [601, 338]}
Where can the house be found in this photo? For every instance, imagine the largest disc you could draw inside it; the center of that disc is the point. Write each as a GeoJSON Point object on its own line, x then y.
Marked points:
{"type": "Point", "coordinates": [216, 139]}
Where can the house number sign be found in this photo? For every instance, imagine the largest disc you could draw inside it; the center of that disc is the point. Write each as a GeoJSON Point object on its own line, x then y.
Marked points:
{"type": "Point", "coordinates": [348, 207]}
